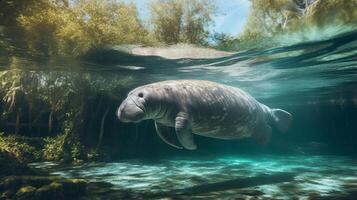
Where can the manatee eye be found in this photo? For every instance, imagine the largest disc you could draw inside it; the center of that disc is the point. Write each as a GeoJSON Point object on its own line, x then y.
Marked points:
{"type": "Point", "coordinates": [141, 95]}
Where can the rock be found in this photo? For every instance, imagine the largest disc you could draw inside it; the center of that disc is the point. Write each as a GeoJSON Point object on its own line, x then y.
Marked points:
{"type": "Point", "coordinates": [48, 187]}
{"type": "Point", "coordinates": [8, 194]}
{"type": "Point", "coordinates": [26, 193]}
{"type": "Point", "coordinates": [52, 191]}
{"type": "Point", "coordinates": [15, 182]}
{"type": "Point", "coordinates": [9, 165]}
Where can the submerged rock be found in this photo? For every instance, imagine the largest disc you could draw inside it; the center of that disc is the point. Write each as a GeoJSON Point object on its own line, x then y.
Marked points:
{"type": "Point", "coordinates": [16, 182]}
{"type": "Point", "coordinates": [52, 191]}
{"type": "Point", "coordinates": [41, 187]}
{"type": "Point", "coordinates": [26, 193]}
{"type": "Point", "coordinates": [7, 194]}
{"type": "Point", "coordinates": [9, 165]}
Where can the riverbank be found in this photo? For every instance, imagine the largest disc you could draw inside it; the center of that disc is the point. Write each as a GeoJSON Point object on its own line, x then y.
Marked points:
{"type": "Point", "coordinates": [180, 51]}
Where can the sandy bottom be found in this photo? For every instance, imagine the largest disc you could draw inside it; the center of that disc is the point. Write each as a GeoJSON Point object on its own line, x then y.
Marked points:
{"type": "Point", "coordinates": [229, 177]}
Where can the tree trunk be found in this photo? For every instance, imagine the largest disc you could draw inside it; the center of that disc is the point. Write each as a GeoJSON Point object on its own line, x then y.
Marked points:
{"type": "Point", "coordinates": [50, 119]}
{"type": "Point", "coordinates": [102, 128]}
{"type": "Point", "coordinates": [17, 127]}
{"type": "Point", "coordinates": [30, 118]}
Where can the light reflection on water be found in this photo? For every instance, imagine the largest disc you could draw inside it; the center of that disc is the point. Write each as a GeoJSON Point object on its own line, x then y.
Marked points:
{"type": "Point", "coordinates": [208, 177]}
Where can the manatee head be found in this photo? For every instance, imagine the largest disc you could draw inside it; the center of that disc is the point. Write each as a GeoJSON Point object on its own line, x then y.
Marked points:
{"type": "Point", "coordinates": [140, 104]}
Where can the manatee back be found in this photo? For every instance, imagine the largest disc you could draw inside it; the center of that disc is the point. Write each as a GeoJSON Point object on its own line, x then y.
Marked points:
{"type": "Point", "coordinates": [206, 99]}
{"type": "Point", "coordinates": [219, 107]}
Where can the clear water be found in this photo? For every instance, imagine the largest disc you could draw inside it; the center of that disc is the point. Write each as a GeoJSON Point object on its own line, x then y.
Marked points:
{"type": "Point", "coordinates": [288, 74]}
{"type": "Point", "coordinates": [264, 176]}
{"type": "Point", "coordinates": [312, 73]}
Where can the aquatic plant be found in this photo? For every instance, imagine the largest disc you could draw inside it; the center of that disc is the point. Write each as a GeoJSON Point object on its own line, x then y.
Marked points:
{"type": "Point", "coordinates": [69, 109]}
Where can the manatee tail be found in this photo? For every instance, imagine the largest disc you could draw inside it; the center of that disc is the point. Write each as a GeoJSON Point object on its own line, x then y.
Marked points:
{"type": "Point", "coordinates": [282, 119]}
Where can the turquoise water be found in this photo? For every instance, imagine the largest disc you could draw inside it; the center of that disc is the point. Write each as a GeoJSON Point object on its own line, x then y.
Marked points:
{"type": "Point", "coordinates": [316, 81]}
{"type": "Point", "coordinates": [229, 177]}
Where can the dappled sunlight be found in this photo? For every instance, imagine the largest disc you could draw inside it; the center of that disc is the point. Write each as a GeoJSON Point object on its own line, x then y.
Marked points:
{"type": "Point", "coordinates": [207, 176]}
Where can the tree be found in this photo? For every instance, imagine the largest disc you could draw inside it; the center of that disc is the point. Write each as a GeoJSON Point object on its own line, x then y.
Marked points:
{"type": "Point", "coordinates": [167, 16]}
{"type": "Point", "coordinates": [269, 17]}
{"type": "Point", "coordinates": [224, 41]}
{"type": "Point", "coordinates": [181, 20]}
{"type": "Point", "coordinates": [197, 17]}
{"type": "Point", "coordinates": [322, 13]}
{"type": "Point", "coordinates": [59, 28]}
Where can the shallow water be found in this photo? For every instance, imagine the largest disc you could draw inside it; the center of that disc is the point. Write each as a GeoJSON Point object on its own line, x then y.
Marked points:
{"type": "Point", "coordinates": [264, 176]}
{"type": "Point", "coordinates": [314, 81]}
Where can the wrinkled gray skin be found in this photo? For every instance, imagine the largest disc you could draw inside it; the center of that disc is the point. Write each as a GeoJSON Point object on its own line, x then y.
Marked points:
{"type": "Point", "coordinates": [201, 107]}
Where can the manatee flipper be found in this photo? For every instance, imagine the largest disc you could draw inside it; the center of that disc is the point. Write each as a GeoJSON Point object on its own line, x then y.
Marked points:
{"type": "Point", "coordinates": [184, 131]}
{"type": "Point", "coordinates": [165, 135]}
{"type": "Point", "coordinates": [282, 119]}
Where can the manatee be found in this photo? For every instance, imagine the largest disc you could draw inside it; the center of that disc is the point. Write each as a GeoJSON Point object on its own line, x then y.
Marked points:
{"type": "Point", "coordinates": [201, 107]}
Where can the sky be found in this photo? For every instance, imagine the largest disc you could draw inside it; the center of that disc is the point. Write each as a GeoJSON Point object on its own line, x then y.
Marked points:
{"type": "Point", "coordinates": [230, 19]}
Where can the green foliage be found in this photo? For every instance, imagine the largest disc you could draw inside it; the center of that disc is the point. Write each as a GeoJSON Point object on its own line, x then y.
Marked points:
{"type": "Point", "coordinates": [269, 16]}
{"type": "Point", "coordinates": [20, 150]}
{"type": "Point", "coordinates": [275, 16]}
{"type": "Point", "coordinates": [323, 13]}
{"type": "Point", "coordinates": [223, 41]}
{"type": "Point", "coordinates": [182, 20]}
{"type": "Point", "coordinates": [69, 96]}
{"type": "Point", "coordinates": [198, 15]}
{"type": "Point", "coordinates": [55, 28]}
{"type": "Point", "coordinates": [167, 20]}
{"type": "Point", "coordinates": [282, 22]}
{"type": "Point", "coordinates": [53, 148]}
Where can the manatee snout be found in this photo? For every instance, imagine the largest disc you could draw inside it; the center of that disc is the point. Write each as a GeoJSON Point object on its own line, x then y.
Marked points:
{"type": "Point", "coordinates": [129, 111]}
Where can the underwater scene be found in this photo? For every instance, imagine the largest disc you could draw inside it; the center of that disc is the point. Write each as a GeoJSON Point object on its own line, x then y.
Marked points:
{"type": "Point", "coordinates": [178, 99]}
